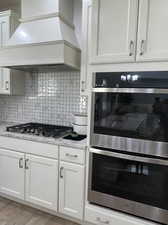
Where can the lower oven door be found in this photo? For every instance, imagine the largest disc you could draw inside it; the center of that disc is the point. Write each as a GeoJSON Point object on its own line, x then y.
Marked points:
{"type": "Point", "coordinates": [131, 184]}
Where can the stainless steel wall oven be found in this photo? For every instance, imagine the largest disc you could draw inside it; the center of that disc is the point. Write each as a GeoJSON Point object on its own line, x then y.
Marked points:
{"type": "Point", "coordinates": [129, 143]}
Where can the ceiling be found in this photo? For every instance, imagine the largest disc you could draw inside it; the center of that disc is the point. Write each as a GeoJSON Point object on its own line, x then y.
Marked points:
{"type": "Point", "coordinates": [6, 4]}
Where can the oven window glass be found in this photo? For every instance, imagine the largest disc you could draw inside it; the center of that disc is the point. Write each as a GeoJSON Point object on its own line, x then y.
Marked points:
{"type": "Point", "coordinates": [132, 115]}
{"type": "Point", "coordinates": [131, 180]}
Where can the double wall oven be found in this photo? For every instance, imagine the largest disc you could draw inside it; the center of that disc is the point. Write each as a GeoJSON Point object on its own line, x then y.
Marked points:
{"type": "Point", "coordinates": [129, 143]}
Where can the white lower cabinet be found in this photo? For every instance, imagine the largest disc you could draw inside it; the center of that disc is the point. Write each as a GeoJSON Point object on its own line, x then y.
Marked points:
{"type": "Point", "coordinates": [99, 216]}
{"type": "Point", "coordinates": [12, 173]}
{"type": "Point", "coordinates": [34, 179]}
{"type": "Point", "coordinates": [41, 181]}
{"type": "Point", "coordinates": [71, 190]}
{"type": "Point", "coordinates": [30, 178]}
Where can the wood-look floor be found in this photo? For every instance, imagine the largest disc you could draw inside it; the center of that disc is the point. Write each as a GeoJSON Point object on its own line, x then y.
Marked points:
{"type": "Point", "coordinates": [12, 213]}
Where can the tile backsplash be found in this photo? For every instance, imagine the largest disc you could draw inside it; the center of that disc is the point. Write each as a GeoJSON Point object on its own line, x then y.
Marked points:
{"type": "Point", "coordinates": [50, 97]}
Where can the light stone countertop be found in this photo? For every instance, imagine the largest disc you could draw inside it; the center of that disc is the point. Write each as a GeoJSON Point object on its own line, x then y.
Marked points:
{"type": "Point", "coordinates": [54, 141]}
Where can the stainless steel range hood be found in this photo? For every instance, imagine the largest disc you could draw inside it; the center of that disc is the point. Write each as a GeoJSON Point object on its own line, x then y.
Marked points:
{"type": "Point", "coordinates": [45, 37]}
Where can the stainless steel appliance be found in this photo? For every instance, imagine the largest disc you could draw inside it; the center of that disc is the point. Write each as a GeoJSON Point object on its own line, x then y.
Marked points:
{"type": "Point", "coordinates": [132, 184]}
{"type": "Point", "coordinates": [130, 112]}
{"type": "Point", "coordinates": [129, 143]}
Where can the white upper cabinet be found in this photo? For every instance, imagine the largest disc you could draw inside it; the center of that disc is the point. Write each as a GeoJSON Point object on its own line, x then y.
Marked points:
{"type": "Point", "coordinates": [153, 33]}
{"type": "Point", "coordinates": [41, 181]}
{"type": "Point", "coordinates": [86, 33]}
{"type": "Point", "coordinates": [4, 30]}
{"type": "Point", "coordinates": [129, 31]}
{"type": "Point", "coordinates": [11, 81]}
{"type": "Point", "coordinates": [4, 36]}
{"type": "Point", "coordinates": [114, 29]}
{"type": "Point", "coordinates": [5, 81]}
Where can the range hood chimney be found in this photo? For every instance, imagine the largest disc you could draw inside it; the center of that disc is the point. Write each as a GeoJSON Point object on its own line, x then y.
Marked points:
{"type": "Point", "coordinates": [45, 37]}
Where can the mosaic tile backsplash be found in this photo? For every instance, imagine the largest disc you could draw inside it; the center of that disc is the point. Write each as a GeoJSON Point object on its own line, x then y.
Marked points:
{"type": "Point", "coordinates": [50, 98]}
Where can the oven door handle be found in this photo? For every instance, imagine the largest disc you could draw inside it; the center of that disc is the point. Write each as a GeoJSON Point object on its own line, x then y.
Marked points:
{"type": "Point", "coordinates": [131, 90]}
{"type": "Point", "coordinates": [130, 157]}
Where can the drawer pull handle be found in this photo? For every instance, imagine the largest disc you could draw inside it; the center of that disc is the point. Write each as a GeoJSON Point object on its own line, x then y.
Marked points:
{"type": "Point", "coordinates": [142, 51]}
{"type": "Point", "coordinates": [72, 156]}
{"type": "Point", "coordinates": [26, 164]}
{"type": "Point", "coordinates": [7, 85]}
{"type": "Point", "coordinates": [102, 221]}
{"type": "Point", "coordinates": [131, 48]}
{"type": "Point", "coordinates": [21, 163]}
{"type": "Point", "coordinates": [83, 86]}
{"type": "Point", "coordinates": [61, 172]}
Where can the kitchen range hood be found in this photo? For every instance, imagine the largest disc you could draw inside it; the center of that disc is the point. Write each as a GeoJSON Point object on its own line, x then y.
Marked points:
{"type": "Point", "coordinates": [45, 38]}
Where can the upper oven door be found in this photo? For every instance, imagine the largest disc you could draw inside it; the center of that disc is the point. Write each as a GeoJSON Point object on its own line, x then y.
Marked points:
{"type": "Point", "coordinates": [132, 115]}
{"type": "Point", "coordinates": [131, 118]}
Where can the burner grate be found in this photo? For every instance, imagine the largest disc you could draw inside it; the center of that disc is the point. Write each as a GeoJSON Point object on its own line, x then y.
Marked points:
{"type": "Point", "coordinates": [39, 129]}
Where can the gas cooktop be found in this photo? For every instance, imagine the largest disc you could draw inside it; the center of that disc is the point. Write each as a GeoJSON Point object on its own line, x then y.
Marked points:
{"type": "Point", "coordinates": [39, 129]}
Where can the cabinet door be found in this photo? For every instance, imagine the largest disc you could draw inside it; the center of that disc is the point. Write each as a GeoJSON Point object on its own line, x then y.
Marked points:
{"type": "Point", "coordinates": [1, 80]}
{"type": "Point", "coordinates": [153, 33]}
{"type": "Point", "coordinates": [41, 181]}
{"type": "Point", "coordinates": [4, 73]}
{"type": "Point", "coordinates": [4, 30]}
{"type": "Point", "coordinates": [86, 33]}
{"type": "Point", "coordinates": [5, 81]}
{"type": "Point", "coordinates": [114, 28]}
{"type": "Point", "coordinates": [12, 173]}
{"type": "Point", "coordinates": [71, 190]}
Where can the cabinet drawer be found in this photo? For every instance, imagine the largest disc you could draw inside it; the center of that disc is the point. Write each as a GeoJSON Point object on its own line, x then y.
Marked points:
{"type": "Point", "coordinates": [96, 217]}
{"type": "Point", "coordinates": [31, 147]}
{"type": "Point", "coordinates": [100, 217]}
{"type": "Point", "coordinates": [72, 155]}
